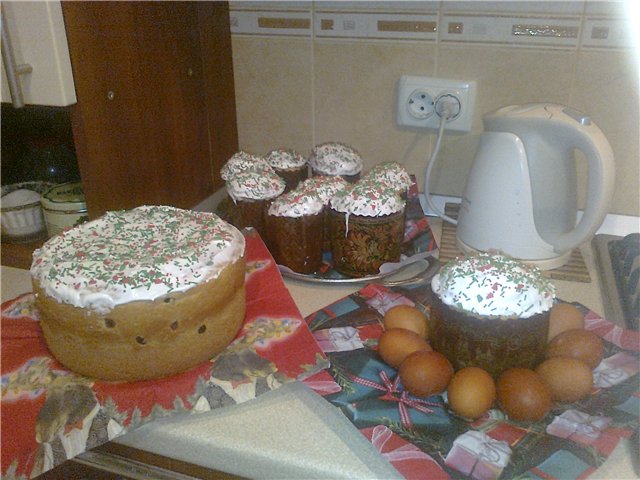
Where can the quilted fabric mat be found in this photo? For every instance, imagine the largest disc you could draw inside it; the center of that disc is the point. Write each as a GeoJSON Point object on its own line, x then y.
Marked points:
{"type": "Point", "coordinates": [423, 439]}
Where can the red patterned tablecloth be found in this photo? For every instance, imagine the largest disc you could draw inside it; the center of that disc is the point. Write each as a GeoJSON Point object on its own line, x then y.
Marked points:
{"type": "Point", "coordinates": [50, 414]}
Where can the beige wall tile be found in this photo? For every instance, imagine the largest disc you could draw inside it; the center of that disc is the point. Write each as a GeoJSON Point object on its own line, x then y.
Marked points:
{"type": "Point", "coordinates": [355, 97]}
{"type": "Point", "coordinates": [297, 92]}
{"type": "Point", "coordinates": [504, 76]}
{"type": "Point", "coordinates": [273, 93]}
{"type": "Point", "coordinates": [581, 80]}
{"type": "Point", "coordinates": [606, 88]}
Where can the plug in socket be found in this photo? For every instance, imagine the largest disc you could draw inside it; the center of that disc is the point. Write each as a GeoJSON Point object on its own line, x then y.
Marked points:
{"type": "Point", "coordinates": [418, 102]}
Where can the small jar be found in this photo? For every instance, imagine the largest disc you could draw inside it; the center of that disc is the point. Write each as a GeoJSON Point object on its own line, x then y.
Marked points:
{"type": "Point", "coordinates": [22, 216]}
{"type": "Point", "coordinates": [64, 207]}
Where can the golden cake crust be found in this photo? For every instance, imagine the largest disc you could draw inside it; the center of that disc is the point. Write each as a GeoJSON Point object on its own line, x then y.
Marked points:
{"type": "Point", "coordinates": [147, 339]}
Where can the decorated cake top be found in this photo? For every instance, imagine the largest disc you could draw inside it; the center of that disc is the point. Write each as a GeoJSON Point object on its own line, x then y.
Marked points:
{"type": "Point", "coordinates": [391, 174]}
{"type": "Point", "coordinates": [335, 159]}
{"type": "Point", "coordinates": [243, 162]}
{"type": "Point", "coordinates": [368, 199]}
{"type": "Point", "coordinates": [285, 159]}
{"type": "Point", "coordinates": [325, 186]}
{"type": "Point", "coordinates": [493, 285]}
{"type": "Point", "coordinates": [255, 185]}
{"type": "Point", "coordinates": [296, 203]}
{"type": "Point", "coordinates": [138, 254]}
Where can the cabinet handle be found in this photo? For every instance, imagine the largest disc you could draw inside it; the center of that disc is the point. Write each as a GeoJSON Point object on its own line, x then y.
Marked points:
{"type": "Point", "coordinates": [12, 70]}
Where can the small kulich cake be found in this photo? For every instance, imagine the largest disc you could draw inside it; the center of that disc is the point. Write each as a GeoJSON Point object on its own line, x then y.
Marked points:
{"type": "Point", "coordinates": [243, 162]}
{"type": "Point", "coordinates": [326, 188]}
{"type": "Point", "coordinates": [334, 158]}
{"type": "Point", "coordinates": [140, 294]}
{"type": "Point", "coordinates": [252, 193]}
{"type": "Point", "coordinates": [490, 311]}
{"type": "Point", "coordinates": [366, 227]}
{"type": "Point", "coordinates": [392, 175]}
{"type": "Point", "coordinates": [294, 225]}
{"type": "Point", "coordinates": [290, 165]}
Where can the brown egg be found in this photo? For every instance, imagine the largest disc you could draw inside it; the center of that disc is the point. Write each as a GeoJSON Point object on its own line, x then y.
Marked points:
{"type": "Point", "coordinates": [425, 373]}
{"type": "Point", "coordinates": [568, 379]}
{"type": "Point", "coordinates": [471, 392]}
{"type": "Point", "coordinates": [396, 344]}
{"type": "Point", "coordinates": [577, 343]}
{"type": "Point", "coordinates": [564, 316]}
{"type": "Point", "coordinates": [523, 395]}
{"type": "Point", "coordinates": [406, 316]}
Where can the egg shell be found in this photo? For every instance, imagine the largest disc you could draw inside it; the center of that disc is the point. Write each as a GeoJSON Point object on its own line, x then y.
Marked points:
{"type": "Point", "coordinates": [471, 392]}
{"type": "Point", "coordinates": [425, 373]}
{"type": "Point", "coordinates": [563, 317]}
{"type": "Point", "coordinates": [577, 343]}
{"type": "Point", "coordinates": [408, 317]}
{"type": "Point", "coordinates": [568, 379]}
{"type": "Point", "coordinates": [523, 395]}
{"type": "Point", "coordinates": [396, 344]}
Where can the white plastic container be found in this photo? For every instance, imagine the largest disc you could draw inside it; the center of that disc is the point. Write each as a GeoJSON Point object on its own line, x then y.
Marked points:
{"type": "Point", "coordinates": [64, 207]}
{"type": "Point", "coordinates": [22, 217]}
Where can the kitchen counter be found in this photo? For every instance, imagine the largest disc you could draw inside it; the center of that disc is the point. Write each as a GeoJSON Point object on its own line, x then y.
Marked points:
{"type": "Point", "coordinates": [280, 442]}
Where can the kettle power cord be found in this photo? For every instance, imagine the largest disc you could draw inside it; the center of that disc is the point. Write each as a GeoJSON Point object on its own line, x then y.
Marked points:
{"type": "Point", "coordinates": [445, 108]}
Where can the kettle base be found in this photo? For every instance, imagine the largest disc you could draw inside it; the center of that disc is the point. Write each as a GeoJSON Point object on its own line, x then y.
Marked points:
{"type": "Point", "coordinates": [541, 263]}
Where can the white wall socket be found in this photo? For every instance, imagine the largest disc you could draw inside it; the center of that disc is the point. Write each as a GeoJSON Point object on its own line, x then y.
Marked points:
{"type": "Point", "coordinates": [419, 102]}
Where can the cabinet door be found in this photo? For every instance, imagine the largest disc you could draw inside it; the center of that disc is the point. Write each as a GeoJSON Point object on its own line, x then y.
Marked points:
{"type": "Point", "coordinates": [141, 124]}
{"type": "Point", "coordinates": [38, 38]}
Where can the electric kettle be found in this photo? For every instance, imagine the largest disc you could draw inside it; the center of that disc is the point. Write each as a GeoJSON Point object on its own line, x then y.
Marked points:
{"type": "Point", "coordinates": [520, 197]}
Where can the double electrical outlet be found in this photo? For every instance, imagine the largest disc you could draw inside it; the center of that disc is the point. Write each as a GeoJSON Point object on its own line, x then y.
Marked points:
{"type": "Point", "coordinates": [423, 101]}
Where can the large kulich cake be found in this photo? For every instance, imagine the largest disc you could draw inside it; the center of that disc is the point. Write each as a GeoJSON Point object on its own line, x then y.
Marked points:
{"type": "Point", "coordinates": [490, 311]}
{"type": "Point", "coordinates": [141, 294]}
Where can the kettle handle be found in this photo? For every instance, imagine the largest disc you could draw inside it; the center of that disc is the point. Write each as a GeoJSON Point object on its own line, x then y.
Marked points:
{"type": "Point", "coordinates": [593, 143]}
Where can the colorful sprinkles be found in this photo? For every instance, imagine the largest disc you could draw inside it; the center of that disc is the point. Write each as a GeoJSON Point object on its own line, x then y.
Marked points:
{"type": "Point", "coordinates": [243, 162]}
{"type": "Point", "coordinates": [326, 186]}
{"type": "Point", "coordinates": [137, 254]}
{"type": "Point", "coordinates": [296, 203]}
{"type": "Point", "coordinates": [368, 198]}
{"type": "Point", "coordinates": [494, 285]}
{"type": "Point", "coordinates": [255, 185]}
{"type": "Point", "coordinates": [335, 158]}
{"type": "Point", "coordinates": [282, 159]}
{"type": "Point", "coordinates": [391, 174]}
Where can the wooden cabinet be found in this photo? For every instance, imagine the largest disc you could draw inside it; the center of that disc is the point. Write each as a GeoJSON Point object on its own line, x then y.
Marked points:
{"type": "Point", "coordinates": [155, 114]}
{"type": "Point", "coordinates": [37, 36]}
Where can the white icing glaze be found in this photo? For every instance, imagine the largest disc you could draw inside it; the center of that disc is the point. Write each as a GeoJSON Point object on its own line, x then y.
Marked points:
{"type": "Point", "coordinates": [391, 174]}
{"type": "Point", "coordinates": [285, 159]}
{"type": "Point", "coordinates": [255, 186]}
{"type": "Point", "coordinates": [367, 199]}
{"type": "Point", "coordinates": [493, 285]}
{"type": "Point", "coordinates": [19, 198]}
{"type": "Point", "coordinates": [295, 204]}
{"type": "Point", "coordinates": [243, 162]}
{"type": "Point", "coordinates": [335, 159]}
{"type": "Point", "coordinates": [326, 186]}
{"type": "Point", "coordinates": [138, 254]}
